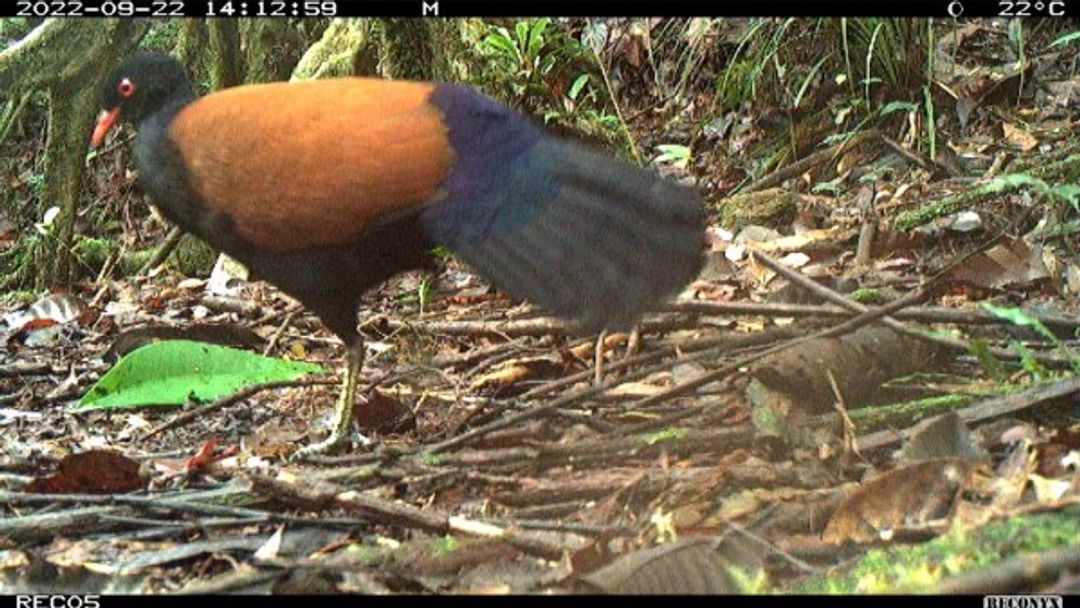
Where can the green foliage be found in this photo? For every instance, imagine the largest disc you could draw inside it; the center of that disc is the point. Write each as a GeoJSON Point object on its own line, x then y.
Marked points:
{"type": "Point", "coordinates": [443, 545]}
{"type": "Point", "coordinates": [18, 297]}
{"type": "Point", "coordinates": [897, 106]}
{"type": "Point", "coordinates": [163, 35]}
{"type": "Point", "coordinates": [754, 59]}
{"type": "Point", "coordinates": [1065, 39]}
{"type": "Point", "coordinates": [14, 28]}
{"type": "Point", "coordinates": [868, 295]}
{"type": "Point", "coordinates": [770, 63]}
{"type": "Point", "coordinates": [1068, 193]}
{"type": "Point", "coordinates": [677, 155]}
{"type": "Point", "coordinates": [134, 261]}
{"type": "Point", "coordinates": [748, 583]}
{"type": "Point", "coordinates": [990, 364]}
{"type": "Point", "coordinates": [891, 52]}
{"type": "Point", "coordinates": [539, 68]}
{"type": "Point", "coordinates": [736, 85]}
{"type": "Point", "coordinates": [526, 54]}
{"type": "Point", "coordinates": [1021, 318]}
{"type": "Point", "coordinates": [1028, 361]}
{"type": "Point", "coordinates": [424, 293]}
{"type": "Point", "coordinates": [664, 435]}
{"type": "Point", "coordinates": [175, 371]}
{"type": "Point", "coordinates": [91, 252]}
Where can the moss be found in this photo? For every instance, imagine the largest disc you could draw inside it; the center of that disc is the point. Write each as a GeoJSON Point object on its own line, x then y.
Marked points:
{"type": "Point", "coordinates": [910, 412]}
{"type": "Point", "coordinates": [18, 297]}
{"type": "Point", "coordinates": [132, 262]}
{"type": "Point", "coordinates": [193, 257]}
{"type": "Point", "coordinates": [917, 567]}
{"type": "Point", "coordinates": [868, 295]}
{"type": "Point", "coordinates": [92, 252]}
{"type": "Point", "coordinates": [773, 207]}
{"type": "Point", "coordinates": [345, 49]}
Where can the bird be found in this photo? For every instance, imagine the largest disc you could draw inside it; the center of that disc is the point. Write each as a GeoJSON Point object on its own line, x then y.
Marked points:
{"type": "Point", "coordinates": [327, 188]}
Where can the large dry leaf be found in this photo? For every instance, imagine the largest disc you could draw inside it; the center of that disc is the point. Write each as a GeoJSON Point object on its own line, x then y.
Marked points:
{"type": "Point", "coordinates": [684, 567]}
{"type": "Point", "coordinates": [944, 436]}
{"type": "Point", "coordinates": [91, 472]}
{"type": "Point", "coordinates": [1011, 262]}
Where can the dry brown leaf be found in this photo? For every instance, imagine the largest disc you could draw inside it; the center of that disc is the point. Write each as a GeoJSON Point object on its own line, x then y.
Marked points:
{"type": "Point", "coordinates": [683, 567]}
{"type": "Point", "coordinates": [91, 472]}
{"type": "Point", "coordinates": [509, 374]}
{"type": "Point", "coordinates": [1019, 138]}
{"type": "Point", "coordinates": [1011, 262]}
{"type": "Point", "coordinates": [944, 436]}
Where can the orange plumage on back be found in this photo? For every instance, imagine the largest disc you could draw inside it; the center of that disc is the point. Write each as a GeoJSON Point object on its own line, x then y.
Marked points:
{"type": "Point", "coordinates": [311, 164]}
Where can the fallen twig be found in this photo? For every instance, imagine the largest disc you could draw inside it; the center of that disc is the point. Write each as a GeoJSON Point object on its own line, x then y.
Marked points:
{"type": "Point", "coordinates": [923, 314]}
{"type": "Point", "coordinates": [172, 239]}
{"type": "Point", "coordinates": [323, 495]}
{"type": "Point", "coordinates": [536, 326]}
{"type": "Point", "coordinates": [223, 402]}
{"type": "Point", "coordinates": [828, 294]}
{"type": "Point", "coordinates": [870, 316]}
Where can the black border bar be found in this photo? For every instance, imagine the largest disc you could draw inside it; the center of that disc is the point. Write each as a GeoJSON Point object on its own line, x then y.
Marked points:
{"type": "Point", "coordinates": [531, 8]}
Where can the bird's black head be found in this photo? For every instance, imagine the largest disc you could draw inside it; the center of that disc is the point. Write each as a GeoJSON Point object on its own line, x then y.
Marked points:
{"type": "Point", "coordinates": [139, 87]}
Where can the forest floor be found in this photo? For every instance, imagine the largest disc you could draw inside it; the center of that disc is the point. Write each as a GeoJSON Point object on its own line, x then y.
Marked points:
{"type": "Point", "coordinates": [829, 407]}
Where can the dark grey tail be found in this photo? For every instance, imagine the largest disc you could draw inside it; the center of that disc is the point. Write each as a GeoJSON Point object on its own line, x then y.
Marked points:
{"type": "Point", "coordinates": [585, 236]}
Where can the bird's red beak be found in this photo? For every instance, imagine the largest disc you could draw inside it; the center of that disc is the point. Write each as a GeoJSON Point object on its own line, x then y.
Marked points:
{"type": "Point", "coordinates": [105, 121]}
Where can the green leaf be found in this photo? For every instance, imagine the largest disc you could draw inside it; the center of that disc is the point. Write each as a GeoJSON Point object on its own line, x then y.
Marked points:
{"type": "Point", "coordinates": [673, 152]}
{"type": "Point", "coordinates": [1028, 361]}
{"type": "Point", "coordinates": [664, 435]}
{"type": "Point", "coordinates": [1065, 39]}
{"type": "Point", "coordinates": [575, 89]}
{"type": "Point", "coordinates": [1003, 183]}
{"type": "Point", "coordinates": [444, 545]}
{"type": "Point", "coordinates": [521, 34]}
{"type": "Point", "coordinates": [500, 42]}
{"type": "Point", "coordinates": [536, 36]}
{"type": "Point", "coordinates": [1020, 318]}
{"type": "Point", "coordinates": [1069, 193]}
{"type": "Point", "coordinates": [897, 106]}
{"type": "Point", "coordinates": [173, 371]}
{"type": "Point", "coordinates": [990, 364]}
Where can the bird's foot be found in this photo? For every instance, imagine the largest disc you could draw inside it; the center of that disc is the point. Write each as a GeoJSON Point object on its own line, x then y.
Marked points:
{"type": "Point", "coordinates": [328, 447]}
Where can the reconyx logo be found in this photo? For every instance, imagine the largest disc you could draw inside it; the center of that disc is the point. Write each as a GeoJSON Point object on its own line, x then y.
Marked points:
{"type": "Point", "coordinates": [1022, 601]}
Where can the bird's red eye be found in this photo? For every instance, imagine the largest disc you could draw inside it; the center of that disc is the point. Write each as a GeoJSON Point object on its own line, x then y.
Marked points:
{"type": "Point", "coordinates": [126, 88]}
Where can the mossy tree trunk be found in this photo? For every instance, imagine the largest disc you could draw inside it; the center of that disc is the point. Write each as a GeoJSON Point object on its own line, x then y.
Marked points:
{"type": "Point", "coordinates": [226, 62]}
{"type": "Point", "coordinates": [406, 49]}
{"type": "Point", "coordinates": [68, 59]}
{"type": "Point", "coordinates": [422, 49]}
{"type": "Point", "coordinates": [71, 106]}
{"type": "Point", "coordinates": [194, 37]}
{"type": "Point", "coordinates": [272, 47]}
{"type": "Point", "coordinates": [346, 48]}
